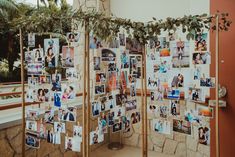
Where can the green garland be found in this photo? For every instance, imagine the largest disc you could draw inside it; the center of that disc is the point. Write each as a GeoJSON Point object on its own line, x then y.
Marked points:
{"type": "Point", "coordinates": [105, 28]}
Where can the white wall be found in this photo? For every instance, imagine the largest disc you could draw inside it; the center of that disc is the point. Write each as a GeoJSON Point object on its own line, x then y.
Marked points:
{"type": "Point", "coordinates": [144, 10]}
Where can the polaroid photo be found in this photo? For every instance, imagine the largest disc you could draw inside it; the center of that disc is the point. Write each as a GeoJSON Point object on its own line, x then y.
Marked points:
{"type": "Point", "coordinates": [100, 89]}
{"type": "Point", "coordinates": [96, 63]}
{"type": "Point", "coordinates": [196, 94]}
{"type": "Point", "coordinates": [96, 137]}
{"type": "Point", "coordinates": [135, 66]}
{"type": "Point", "coordinates": [204, 135]}
{"type": "Point", "coordinates": [117, 127]}
{"type": "Point", "coordinates": [121, 99]}
{"type": "Point", "coordinates": [133, 45]}
{"type": "Point", "coordinates": [43, 95]}
{"type": "Point", "coordinates": [151, 55]}
{"type": "Point", "coordinates": [38, 55]}
{"type": "Point", "coordinates": [182, 126]}
{"type": "Point", "coordinates": [41, 129]}
{"type": "Point", "coordinates": [191, 116]}
{"type": "Point", "coordinates": [68, 114]}
{"type": "Point", "coordinates": [53, 136]}
{"type": "Point", "coordinates": [204, 111]}
{"type": "Point", "coordinates": [122, 39]}
{"type": "Point", "coordinates": [125, 59]}
{"type": "Point", "coordinates": [111, 119]}
{"type": "Point", "coordinates": [77, 133]}
{"type": "Point", "coordinates": [153, 109]}
{"type": "Point", "coordinates": [32, 140]}
{"type": "Point", "coordinates": [31, 39]}
{"type": "Point", "coordinates": [114, 43]}
{"type": "Point", "coordinates": [152, 82]}
{"type": "Point", "coordinates": [100, 77]}
{"type": "Point", "coordinates": [119, 111]}
{"type": "Point", "coordinates": [111, 102]}
{"type": "Point", "coordinates": [56, 82]}
{"type": "Point", "coordinates": [31, 125]}
{"type": "Point", "coordinates": [131, 105]}
{"type": "Point", "coordinates": [59, 127]}
{"type": "Point", "coordinates": [175, 107]}
{"type": "Point", "coordinates": [162, 65]}
{"type": "Point", "coordinates": [163, 110]}
{"type": "Point", "coordinates": [161, 126]}
{"type": "Point", "coordinates": [112, 80]}
{"type": "Point", "coordinates": [49, 116]}
{"type": "Point", "coordinates": [68, 92]}
{"type": "Point", "coordinates": [67, 57]}
{"type": "Point", "coordinates": [123, 80]}
{"type": "Point", "coordinates": [164, 49]}
{"type": "Point", "coordinates": [95, 43]}
{"type": "Point", "coordinates": [96, 108]}
{"type": "Point", "coordinates": [135, 117]}
{"type": "Point", "coordinates": [112, 67]}
{"type": "Point", "coordinates": [201, 58]}
{"type": "Point", "coordinates": [51, 47]}
{"type": "Point", "coordinates": [173, 94]}
{"type": "Point", "coordinates": [57, 99]}
{"type": "Point", "coordinates": [177, 80]}
{"type": "Point", "coordinates": [44, 79]}
{"type": "Point", "coordinates": [201, 40]}
{"type": "Point", "coordinates": [35, 68]}
{"type": "Point", "coordinates": [30, 95]}
{"type": "Point", "coordinates": [73, 37]}
{"type": "Point", "coordinates": [32, 114]}
{"type": "Point", "coordinates": [207, 82]}
{"type": "Point", "coordinates": [29, 56]}
{"type": "Point", "coordinates": [71, 74]}
{"type": "Point", "coordinates": [72, 144]}
{"type": "Point", "coordinates": [153, 42]}
{"type": "Point", "coordinates": [152, 96]}
{"type": "Point", "coordinates": [126, 124]}
{"type": "Point", "coordinates": [103, 123]}
{"type": "Point", "coordinates": [133, 88]}
{"type": "Point", "coordinates": [197, 73]}
{"type": "Point", "coordinates": [180, 54]}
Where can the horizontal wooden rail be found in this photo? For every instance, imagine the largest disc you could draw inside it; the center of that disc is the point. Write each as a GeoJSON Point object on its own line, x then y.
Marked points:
{"type": "Point", "coordinates": [10, 94]}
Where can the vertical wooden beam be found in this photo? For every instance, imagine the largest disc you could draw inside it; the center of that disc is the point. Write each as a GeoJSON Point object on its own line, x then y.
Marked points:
{"type": "Point", "coordinates": [23, 93]}
{"type": "Point", "coordinates": [217, 86]}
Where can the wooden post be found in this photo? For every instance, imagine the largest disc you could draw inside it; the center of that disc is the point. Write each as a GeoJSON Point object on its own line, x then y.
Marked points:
{"type": "Point", "coordinates": [217, 86]}
{"type": "Point", "coordinates": [23, 93]}
{"type": "Point", "coordinates": [87, 48]}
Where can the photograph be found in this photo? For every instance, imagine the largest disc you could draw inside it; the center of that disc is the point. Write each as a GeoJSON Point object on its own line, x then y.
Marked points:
{"type": "Point", "coordinates": [117, 127]}
{"type": "Point", "coordinates": [204, 111]}
{"type": "Point", "coordinates": [103, 123]}
{"type": "Point", "coordinates": [201, 58]}
{"type": "Point", "coordinates": [161, 126]}
{"type": "Point", "coordinates": [182, 126]}
{"type": "Point", "coordinates": [122, 39]}
{"type": "Point", "coordinates": [41, 129]}
{"type": "Point", "coordinates": [173, 94]}
{"type": "Point", "coordinates": [68, 91]}
{"type": "Point", "coordinates": [59, 127]}
{"type": "Point", "coordinates": [96, 137]}
{"type": "Point", "coordinates": [112, 67]}
{"type": "Point", "coordinates": [38, 55]}
{"type": "Point", "coordinates": [131, 105]}
{"type": "Point", "coordinates": [104, 103]}
{"type": "Point", "coordinates": [100, 77]}
{"type": "Point", "coordinates": [111, 102]}
{"type": "Point", "coordinates": [68, 114]}
{"type": "Point", "coordinates": [191, 116]}
{"type": "Point", "coordinates": [53, 137]}
{"type": "Point", "coordinates": [32, 114]}
{"type": "Point", "coordinates": [32, 140]}
{"type": "Point", "coordinates": [96, 108]}
{"type": "Point", "coordinates": [119, 111]}
{"type": "Point", "coordinates": [45, 79]}
{"type": "Point", "coordinates": [110, 118]}
{"type": "Point", "coordinates": [112, 80]}
{"type": "Point", "coordinates": [35, 68]}
{"type": "Point", "coordinates": [204, 135]}
{"type": "Point", "coordinates": [135, 117]}
{"type": "Point", "coordinates": [31, 95]}
{"type": "Point", "coordinates": [207, 82]}
{"type": "Point", "coordinates": [114, 43]}
{"type": "Point", "coordinates": [95, 43]}
{"type": "Point", "coordinates": [124, 59]}
{"type": "Point", "coordinates": [71, 74]}
{"type": "Point", "coordinates": [73, 37]}
{"type": "Point", "coordinates": [57, 99]}
{"type": "Point", "coordinates": [175, 107]}
{"type": "Point", "coordinates": [43, 95]}
{"type": "Point", "coordinates": [31, 125]}
{"type": "Point", "coordinates": [153, 108]}
{"type": "Point", "coordinates": [164, 49]}
{"type": "Point", "coordinates": [197, 73]}
{"type": "Point", "coordinates": [29, 57]}
{"type": "Point", "coordinates": [133, 88]}
{"type": "Point", "coordinates": [201, 42]}
{"type": "Point", "coordinates": [178, 80]}
{"type": "Point", "coordinates": [163, 110]}
{"type": "Point", "coordinates": [196, 94]}
{"type": "Point", "coordinates": [72, 144]}
{"type": "Point", "coordinates": [162, 65]}
{"type": "Point", "coordinates": [135, 66]}
{"type": "Point", "coordinates": [56, 81]}
{"type": "Point", "coordinates": [121, 99]}
{"type": "Point", "coordinates": [49, 116]}
{"type": "Point", "coordinates": [51, 48]}
{"type": "Point", "coordinates": [108, 55]}
{"type": "Point", "coordinates": [77, 133]}
{"type": "Point", "coordinates": [31, 39]}
{"type": "Point", "coordinates": [126, 124]}
{"type": "Point", "coordinates": [96, 61]}
{"type": "Point", "coordinates": [67, 57]}
{"type": "Point", "coordinates": [180, 54]}
{"type": "Point", "coordinates": [152, 96]}
{"type": "Point", "coordinates": [99, 89]}
{"type": "Point", "coordinates": [133, 45]}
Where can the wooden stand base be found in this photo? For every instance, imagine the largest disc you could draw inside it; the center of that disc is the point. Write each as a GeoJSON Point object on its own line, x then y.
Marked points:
{"type": "Point", "coordinates": [115, 146]}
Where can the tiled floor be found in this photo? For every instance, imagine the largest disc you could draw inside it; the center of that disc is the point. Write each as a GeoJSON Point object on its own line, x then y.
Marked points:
{"type": "Point", "coordinates": [125, 152]}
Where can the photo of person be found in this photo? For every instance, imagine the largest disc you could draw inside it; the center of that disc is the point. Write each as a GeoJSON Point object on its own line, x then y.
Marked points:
{"type": "Point", "coordinates": [68, 114]}
{"type": "Point", "coordinates": [41, 129]}
{"type": "Point", "coordinates": [178, 81]}
{"type": "Point", "coordinates": [133, 88]}
{"type": "Point", "coordinates": [38, 55]}
{"type": "Point", "coordinates": [190, 116]}
{"type": "Point", "coordinates": [110, 118]}
{"type": "Point", "coordinates": [67, 57]}
{"type": "Point", "coordinates": [161, 126]}
{"type": "Point", "coordinates": [100, 77]}
{"type": "Point", "coordinates": [96, 137]}
{"type": "Point", "coordinates": [57, 99]}
{"type": "Point", "coordinates": [35, 68]}
{"type": "Point", "coordinates": [112, 67]}
{"type": "Point", "coordinates": [163, 65]}
{"type": "Point", "coordinates": [133, 45]}
{"type": "Point", "coordinates": [127, 124]}
{"type": "Point", "coordinates": [197, 73]}
{"type": "Point", "coordinates": [122, 39]}
{"type": "Point", "coordinates": [163, 110]}
{"type": "Point", "coordinates": [56, 81]}
{"type": "Point", "coordinates": [135, 66]}
{"type": "Point", "coordinates": [111, 102]}
{"type": "Point", "coordinates": [112, 80]}
{"type": "Point", "coordinates": [108, 55]}
{"type": "Point", "coordinates": [180, 54]}
{"type": "Point", "coordinates": [201, 42]}
{"type": "Point", "coordinates": [124, 59]}
{"type": "Point", "coordinates": [43, 95]}
{"type": "Point", "coordinates": [152, 108]}
{"type": "Point", "coordinates": [96, 108]}
{"type": "Point", "coordinates": [68, 92]}
{"type": "Point", "coordinates": [31, 125]}
{"type": "Point", "coordinates": [103, 123]}
{"type": "Point", "coordinates": [131, 105]}
{"type": "Point", "coordinates": [201, 58]}
{"type": "Point", "coordinates": [32, 140]}
{"type": "Point", "coordinates": [29, 56]}
{"type": "Point", "coordinates": [44, 79]}
{"type": "Point", "coordinates": [182, 126]}
{"type": "Point", "coordinates": [72, 74]}
{"type": "Point", "coordinates": [72, 144]}
{"type": "Point", "coordinates": [95, 43]}
{"type": "Point", "coordinates": [96, 63]}
{"type": "Point", "coordinates": [31, 39]}
{"type": "Point", "coordinates": [49, 116]}
{"type": "Point", "coordinates": [114, 43]}
{"type": "Point", "coordinates": [173, 94]}
{"type": "Point", "coordinates": [51, 47]}
{"type": "Point", "coordinates": [30, 95]}
{"type": "Point", "coordinates": [77, 133]}
{"type": "Point", "coordinates": [73, 37]}
{"type": "Point", "coordinates": [207, 82]}
{"type": "Point", "coordinates": [32, 114]}
{"type": "Point", "coordinates": [175, 107]}
{"type": "Point", "coordinates": [117, 127]}
{"type": "Point", "coordinates": [119, 111]}
{"type": "Point", "coordinates": [99, 89]}
{"type": "Point", "coordinates": [164, 47]}
{"type": "Point", "coordinates": [135, 117]}
{"type": "Point", "coordinates": [204, 111]}
{"type": "Point", "coordinates": [59, 127]}
{"type": "Point", "coordinates": [32, 82]}
{"type": "Point", "coordinates": [196, 94]}
{"type": "Point", "coordinates": [53, 137]}
{"type": "Point", "coordinates": [204, 135]}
